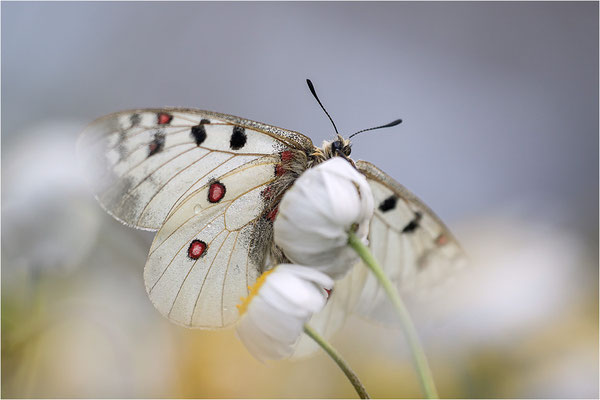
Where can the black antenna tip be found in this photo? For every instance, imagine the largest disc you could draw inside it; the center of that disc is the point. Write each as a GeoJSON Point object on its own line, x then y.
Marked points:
{"type": "Point", "coordinates": [393, 123]}
{"type": "Point", "coordinates": [314, 93]}
{"type": "Point", "coordinates": [311, 87]}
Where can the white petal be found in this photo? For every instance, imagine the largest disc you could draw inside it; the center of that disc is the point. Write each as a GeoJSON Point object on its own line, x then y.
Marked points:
{"type": "Point", "coordinates": [279, 326]}
{"type": "Point", "coordinates": [288, 295]}
{"type": "Point", "coordinates": [261, 346]}
{"type": "Point", "coordinates": [309, 274]}
{"type": "Point", "coordinates": [317, 212]}
{"type": "Point", "coordinates": [303, 294]}
{"type": "Point", "coordinates": [275, 317]}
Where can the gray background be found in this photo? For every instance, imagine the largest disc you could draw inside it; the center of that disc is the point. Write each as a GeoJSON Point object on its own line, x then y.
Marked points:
{"type": "Point", "coordinates": [499, 102]}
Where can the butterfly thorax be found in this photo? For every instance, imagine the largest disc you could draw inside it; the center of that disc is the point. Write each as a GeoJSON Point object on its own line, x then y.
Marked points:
{"type": "Point", "coordinates": [338, 147]}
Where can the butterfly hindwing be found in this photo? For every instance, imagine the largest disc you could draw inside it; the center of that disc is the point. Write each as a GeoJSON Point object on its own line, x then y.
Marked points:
{"type": "Point", "coordinates": [206, 255]}
{"type": "Point", "coordinates": [141, 163]}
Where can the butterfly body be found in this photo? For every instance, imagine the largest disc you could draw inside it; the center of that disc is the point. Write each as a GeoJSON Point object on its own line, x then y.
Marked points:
{"type": "Point", "coordinates": [210, 184]}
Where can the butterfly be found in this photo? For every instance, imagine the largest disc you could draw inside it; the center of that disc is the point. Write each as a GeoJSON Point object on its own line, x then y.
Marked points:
{"type": "Point", "coordinates": [209, 184]}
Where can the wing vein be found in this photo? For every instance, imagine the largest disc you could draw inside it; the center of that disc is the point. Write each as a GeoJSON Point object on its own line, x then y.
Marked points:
{"type": "Point", "coordinates": [129, 191]}
{"type": "Point", "coordinates": [177, 173]}
{"type": "Point", "coordinates": [144, 144]}
{"type": "Point", "coordinates": [225, 276]}
{"type": "Point", "coordinates": [190, 270]}
{"type": "Point", "coordinates": [206, 277]}
{"type": "Point", "coordinates": [178, 251]}
{"type": "Point", "coordinates": [383, 263]}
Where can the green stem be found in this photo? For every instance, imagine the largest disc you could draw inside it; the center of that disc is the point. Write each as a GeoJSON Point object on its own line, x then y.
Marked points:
{"type": "Point", "coordinates": [360, 389]}
{"type": "Point", "coordinates": [418, 354]}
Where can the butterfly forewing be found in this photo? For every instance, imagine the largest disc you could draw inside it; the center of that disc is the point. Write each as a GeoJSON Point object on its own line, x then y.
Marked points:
{"type": "Point", "coordinates": [141, 163]}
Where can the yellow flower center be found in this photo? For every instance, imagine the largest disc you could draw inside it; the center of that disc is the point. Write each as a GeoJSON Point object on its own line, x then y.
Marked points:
{"type": "Point", "coordinates": [253, 292]}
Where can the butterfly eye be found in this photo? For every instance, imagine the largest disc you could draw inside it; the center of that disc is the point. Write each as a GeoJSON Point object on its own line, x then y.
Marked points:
{"type": "Point", "coordinates": [336, 147]}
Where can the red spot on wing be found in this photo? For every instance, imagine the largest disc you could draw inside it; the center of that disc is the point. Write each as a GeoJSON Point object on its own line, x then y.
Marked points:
{"type": "Point", "coordinates": [216, 192]}
{"type": "Point", "coordinates": [267, 193]}
{"type": "Point", "coordinates": [279, 170]}
{"type": "Point", "coordinates": [329, 292]}
{"type": "Point", "coordinates": [197, 249]}
{"type": "Point", "coordinates": [164, 118]}
{"type": "Point", "coordinates": [282, 168]}
{"type": "Point", "coordinates": [273, 214]}
{"type": "Point", "coordinates": [441, 240]}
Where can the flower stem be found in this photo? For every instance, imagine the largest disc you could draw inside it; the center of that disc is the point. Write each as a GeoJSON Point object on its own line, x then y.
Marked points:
{"type": "Point", "coordinates": [360, 389]}
{"type": "Point", "coordinates": [421, 365]}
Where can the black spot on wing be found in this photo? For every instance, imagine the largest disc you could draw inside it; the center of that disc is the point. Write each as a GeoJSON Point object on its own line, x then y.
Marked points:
{"type": "Point", "coordinates": [199, 133]}
{"type": "Point", "coordinates": [388, 204]}
{"type": "Point", "coordinates": [238, 138]}
{"type": "Point", "coordinates": [135, 119]}
{"type": "Point", "coordinates": [414, 224]}
{"type": "Point", "coordinates": [157, 144]}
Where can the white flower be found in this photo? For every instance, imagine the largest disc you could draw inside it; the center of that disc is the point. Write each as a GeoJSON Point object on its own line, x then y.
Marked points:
{"type": "Point", "coordinates": [317, 212]}
{"type": "Point", "coordinates": [279, 304]}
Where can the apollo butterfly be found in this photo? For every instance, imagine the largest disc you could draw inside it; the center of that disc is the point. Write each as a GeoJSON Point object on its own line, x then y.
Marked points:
{"type": "Point", "coordinates": [210, 184]}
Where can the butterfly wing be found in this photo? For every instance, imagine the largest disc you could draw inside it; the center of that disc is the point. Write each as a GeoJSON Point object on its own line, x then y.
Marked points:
{"type": "Point", "coordinates": [141, 163]}
{"type": "Point", "coordinates": [201, 178]}
{"type": "Point", "coordinates": [413, 246]}
{"type": "Point", "coordinates": [211, 248]}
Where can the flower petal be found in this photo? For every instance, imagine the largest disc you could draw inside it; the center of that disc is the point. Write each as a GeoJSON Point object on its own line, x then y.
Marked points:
{"type": "Point", "coordinates": [276, 314]}
{"type": "Point", "coordinates": [317, 212]}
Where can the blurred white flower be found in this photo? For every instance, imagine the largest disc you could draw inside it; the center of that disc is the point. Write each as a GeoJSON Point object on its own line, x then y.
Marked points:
{"type": "Point", "coordinates": [317, 212]}
{"type": "Point", "coordinates": [279, 304]}
{"type": "Point", "coordinates": [49, 218]}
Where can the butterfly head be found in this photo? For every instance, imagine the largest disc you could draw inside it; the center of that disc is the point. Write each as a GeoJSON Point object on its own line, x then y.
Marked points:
{"type": "Point", "coordinates": [339, 147]}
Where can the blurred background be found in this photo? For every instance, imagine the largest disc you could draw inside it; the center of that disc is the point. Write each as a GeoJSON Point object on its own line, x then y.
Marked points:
{"type": "Point", "coordinates": [500, 138]}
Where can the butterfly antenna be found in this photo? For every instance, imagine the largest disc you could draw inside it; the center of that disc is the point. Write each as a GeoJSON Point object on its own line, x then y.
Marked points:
{"type": "Point", "coordinates": [393, 123]}
{"type": "Point", "coordinates": [314, 93]}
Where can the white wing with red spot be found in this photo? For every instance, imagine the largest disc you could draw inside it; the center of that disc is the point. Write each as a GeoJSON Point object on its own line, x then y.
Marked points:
{"type": "Point", "coordinates": [141, 163]}
{"type": "Point", "coordinates": [199, 177]}
{"type": "Point", "coordinates": [201, 288]}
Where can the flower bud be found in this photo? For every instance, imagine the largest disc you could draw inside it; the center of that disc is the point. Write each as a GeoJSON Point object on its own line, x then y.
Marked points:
{"type": "Point", "coordinates": [279, 304]}
{"type": "Point", "coordinates": [317, 212]}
